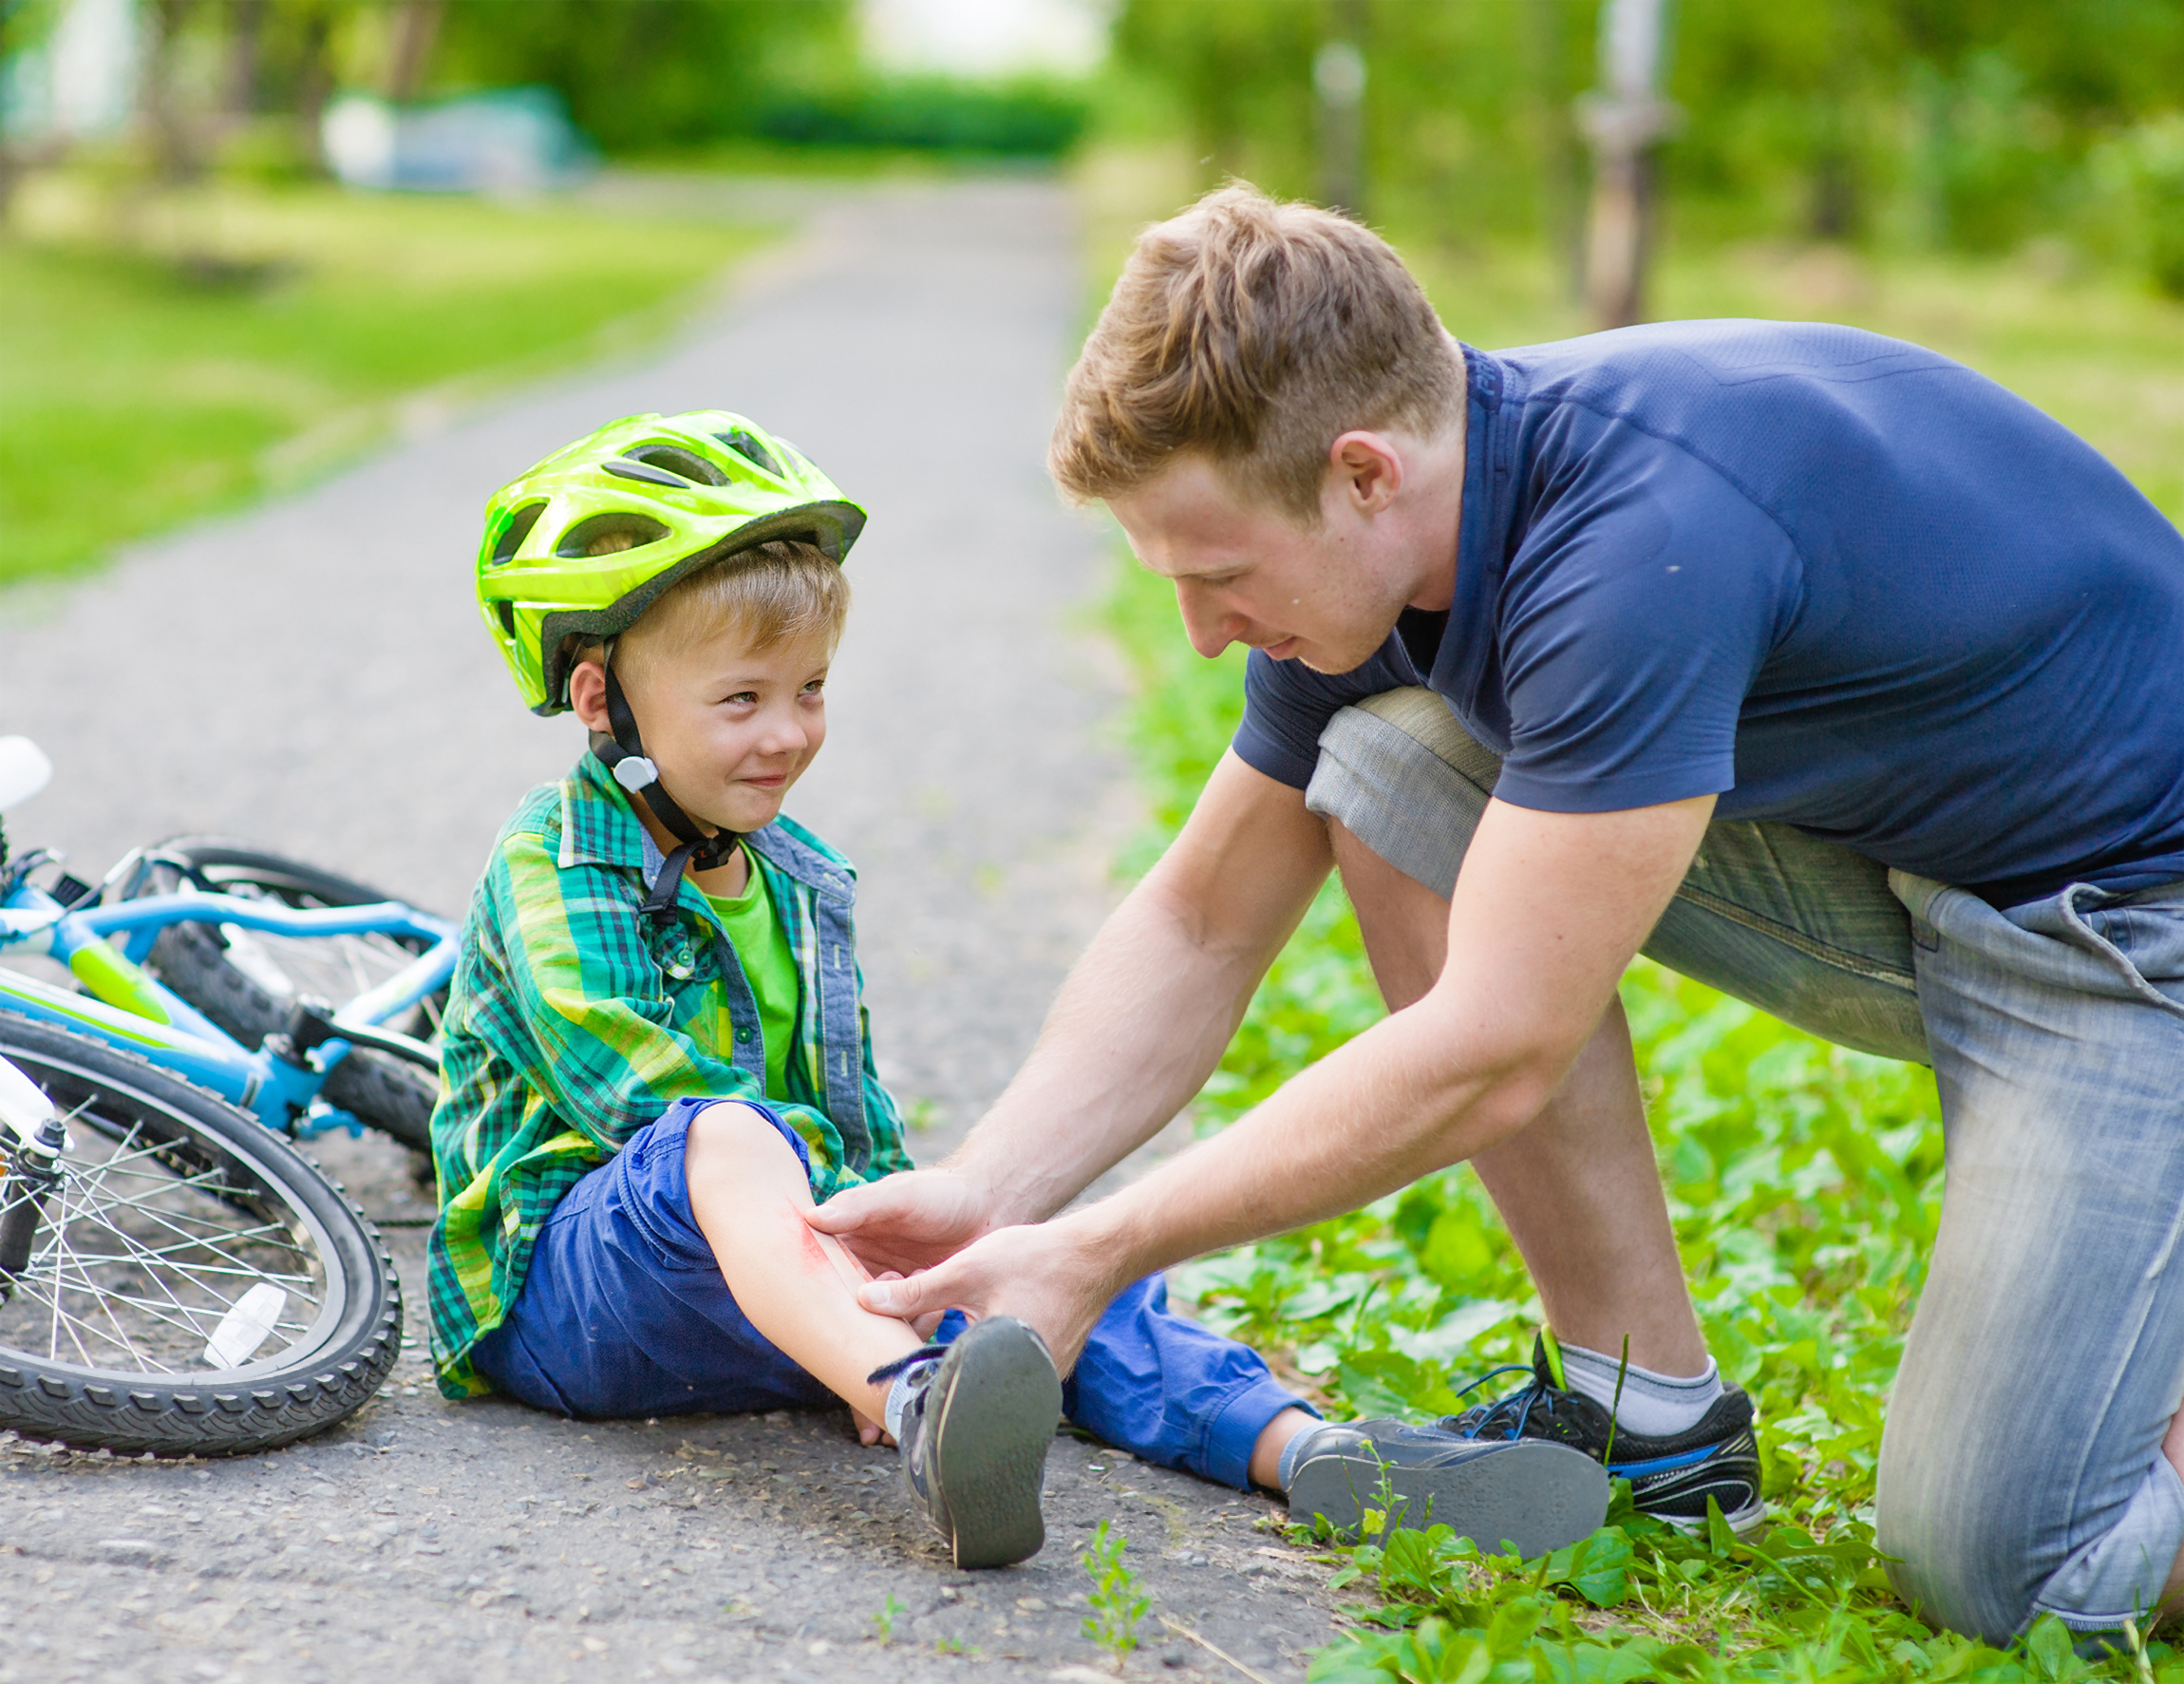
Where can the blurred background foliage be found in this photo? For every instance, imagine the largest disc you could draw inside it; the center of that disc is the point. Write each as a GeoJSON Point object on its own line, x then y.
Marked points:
{"type": "Point", "coordinates": [1971, 125]}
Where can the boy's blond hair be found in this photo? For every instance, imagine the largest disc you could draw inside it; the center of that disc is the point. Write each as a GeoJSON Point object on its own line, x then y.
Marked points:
{"type": "Point", "coordinates": [772, 594]}
{"type": "Point", "coordinates": [1255, 334]}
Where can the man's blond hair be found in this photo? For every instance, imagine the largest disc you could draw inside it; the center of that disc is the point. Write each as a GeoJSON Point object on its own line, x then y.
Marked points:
{"type": "Point", "coordinates": [1255, 334]}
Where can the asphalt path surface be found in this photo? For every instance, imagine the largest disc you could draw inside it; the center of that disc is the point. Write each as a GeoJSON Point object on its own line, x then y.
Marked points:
{"type": "Point", "coordinates": [312, 675]}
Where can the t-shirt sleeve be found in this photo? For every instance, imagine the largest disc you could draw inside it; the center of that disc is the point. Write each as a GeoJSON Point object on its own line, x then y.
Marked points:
{"type": "Point", "coordinates": [1633, 621]}
{"type": "Point", "coordinates": [1287, 705]}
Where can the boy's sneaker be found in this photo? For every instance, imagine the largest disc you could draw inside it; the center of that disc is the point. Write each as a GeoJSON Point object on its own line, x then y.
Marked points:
{"type": "Point", "coordinates": [1534, 1496]}
{"type": "Point", "coordinates": [974, 1439]}
{"type": "Point", "coordinates": [1671, 1475]}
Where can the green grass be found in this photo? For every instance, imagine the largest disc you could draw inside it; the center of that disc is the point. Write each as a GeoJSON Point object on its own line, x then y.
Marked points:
{"type": "Point", "coordinates": [1804, 1181]}
{"type": "Point", "coordinates": [164, 360]}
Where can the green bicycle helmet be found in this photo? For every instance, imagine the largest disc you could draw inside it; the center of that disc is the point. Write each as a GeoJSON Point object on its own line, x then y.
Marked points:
{"type": "Point", "coordinates": [580, 545]}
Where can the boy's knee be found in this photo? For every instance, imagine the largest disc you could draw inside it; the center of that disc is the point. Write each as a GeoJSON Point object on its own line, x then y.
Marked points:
{"type": "Point", "coordinates": [732, 1131]}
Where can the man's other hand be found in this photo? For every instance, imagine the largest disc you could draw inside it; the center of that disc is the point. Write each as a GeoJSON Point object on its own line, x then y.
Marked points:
{"type": "Point", "coordinates": [1043, 1274]}
{"type": "Point", "coordinates": [907, 1222]}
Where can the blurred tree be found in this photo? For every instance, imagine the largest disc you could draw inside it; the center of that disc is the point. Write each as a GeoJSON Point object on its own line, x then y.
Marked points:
{"type": "Point", "coordinates": [1624, 117]}
{"type": "Point", "coordinates": [1965, 122]}
{"type": "Point", "coordinates": [1339, 78]}
{"type": "Point", "coordinates": [416, 27]}
{"type": "Point", "coordinates": [1242, 71]}
{"type": "Point", "coordinates": [646, 72]}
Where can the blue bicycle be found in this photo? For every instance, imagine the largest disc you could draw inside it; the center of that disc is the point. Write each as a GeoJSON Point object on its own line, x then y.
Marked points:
{"type": "Point", "coordinates": [175, 1274]}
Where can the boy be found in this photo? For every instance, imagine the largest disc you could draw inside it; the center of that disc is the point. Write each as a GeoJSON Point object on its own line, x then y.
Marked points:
{"type": "Point", "coordinates": [656, 1059]}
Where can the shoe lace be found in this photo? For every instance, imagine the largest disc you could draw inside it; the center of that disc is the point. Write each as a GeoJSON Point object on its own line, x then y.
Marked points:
{"type": "Point", "coordinates": [888, 1370]}
{"type": "Point", "coordinates": [1516, 1409]}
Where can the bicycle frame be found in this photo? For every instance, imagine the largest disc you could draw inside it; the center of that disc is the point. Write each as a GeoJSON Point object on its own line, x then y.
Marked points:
{"type": "Point", "coordinates": [127, 1008]}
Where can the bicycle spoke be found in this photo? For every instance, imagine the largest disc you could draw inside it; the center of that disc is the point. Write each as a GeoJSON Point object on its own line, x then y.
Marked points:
{"type": "Point", "coordinates": [143, 1254]}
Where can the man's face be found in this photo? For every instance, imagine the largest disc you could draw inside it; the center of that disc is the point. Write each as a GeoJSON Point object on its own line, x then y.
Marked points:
{"type": "Point", "coordinates": [1245, 574]}
{"type": "Point", "coordinates": [731, 727]}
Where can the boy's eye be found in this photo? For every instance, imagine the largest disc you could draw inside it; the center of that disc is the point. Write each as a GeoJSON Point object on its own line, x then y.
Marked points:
{"type": "Point", "coordinates": [747, 697]}
{"type": "Point", "coordinates": [813, 688]}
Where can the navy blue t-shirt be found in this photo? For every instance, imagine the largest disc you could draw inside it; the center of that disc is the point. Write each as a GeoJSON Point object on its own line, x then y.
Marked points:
{"type": "Point", "coordinates": [1830, 578]}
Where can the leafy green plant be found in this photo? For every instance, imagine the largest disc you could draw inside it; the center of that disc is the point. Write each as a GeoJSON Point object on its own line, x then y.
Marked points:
{"type": "Point", "coordinates": [1116, 1605]}
{"type": "Point", "coordinates": [883, 1622]}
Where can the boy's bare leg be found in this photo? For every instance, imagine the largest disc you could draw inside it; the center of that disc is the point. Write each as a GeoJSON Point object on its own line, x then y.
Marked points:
{"type": "Point", "coordinates": [1577, 1185]}
{"type": "Point", "coordinates": [798, 1286]}
{"type": "Point", "coordinates": [1266, 1464]}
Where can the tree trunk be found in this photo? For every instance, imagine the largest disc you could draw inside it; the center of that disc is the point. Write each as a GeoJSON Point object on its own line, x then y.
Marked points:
{"type": "Point", "coordinates": [314, 85]}
{"type": "Point", "coordinates": [416, 26]}
{"type": "Point", "coordinates": [1339, 80]}
{"type": "Point", "coordinates": [246, 25]}
{"type": "Point", "coordinates": [174, 148]}
{"type": "Point", "coordinates": [1624, 121]}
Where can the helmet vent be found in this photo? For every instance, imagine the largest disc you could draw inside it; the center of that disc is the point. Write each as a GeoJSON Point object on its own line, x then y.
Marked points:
{"type": "Point", "coordinates": [623, 468]}
{"type": "Point", "coordinates": [751, 451]}
{"type": "Point", "coordinates": [608, 535]}
{"type": "Point", "coordinates": [678, 461]}
{"type": "Point", "coordinates": [517, 529]}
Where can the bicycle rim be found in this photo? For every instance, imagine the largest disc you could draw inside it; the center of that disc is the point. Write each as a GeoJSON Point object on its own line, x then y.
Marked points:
{"type": "Point", "coordinates": [196, 1285]}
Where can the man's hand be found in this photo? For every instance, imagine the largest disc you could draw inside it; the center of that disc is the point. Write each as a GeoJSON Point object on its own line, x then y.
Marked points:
{"type": "Point", "coordinates": [1047, 1274]}
{"type": "Point", "coordinates": [908, 1221]}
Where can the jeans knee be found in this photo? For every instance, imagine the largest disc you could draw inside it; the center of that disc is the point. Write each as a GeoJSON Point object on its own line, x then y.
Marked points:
{"type": "Point", "coordinates": [1973, 1552]}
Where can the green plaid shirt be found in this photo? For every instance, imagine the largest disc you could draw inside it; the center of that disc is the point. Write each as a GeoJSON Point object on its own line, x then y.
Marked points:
{"type": "Point", "coordinates": [573, 1021]}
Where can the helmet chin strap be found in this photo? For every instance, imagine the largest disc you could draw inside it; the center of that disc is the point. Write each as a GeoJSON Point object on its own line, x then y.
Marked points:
{"type": "Point", "coordinates": [623, 754]}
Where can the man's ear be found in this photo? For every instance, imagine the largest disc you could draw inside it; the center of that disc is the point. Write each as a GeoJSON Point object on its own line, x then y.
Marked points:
{"type": "Point", "coordinates": [588, 694]}
{"type": "Point", "coordinates": [1367, 470]}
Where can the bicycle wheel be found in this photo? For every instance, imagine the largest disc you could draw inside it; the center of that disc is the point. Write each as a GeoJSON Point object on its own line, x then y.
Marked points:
{"type": "Point", "coordinates": [247, 981]}
{"type": "Point", "coordinates": [196, 1286]}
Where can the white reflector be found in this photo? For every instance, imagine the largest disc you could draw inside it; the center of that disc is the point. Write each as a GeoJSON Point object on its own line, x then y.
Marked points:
{"type": "Point", "coordinates": [243, 1329]}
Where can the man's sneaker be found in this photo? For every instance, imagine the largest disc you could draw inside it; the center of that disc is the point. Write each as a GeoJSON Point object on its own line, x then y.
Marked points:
{"type": "Point", "coordinates": [974, 1439]}
{"type": "Point", "coordinates": [1671, 1475]}
{"type": "Point", "coordinates": [1534, 1496]}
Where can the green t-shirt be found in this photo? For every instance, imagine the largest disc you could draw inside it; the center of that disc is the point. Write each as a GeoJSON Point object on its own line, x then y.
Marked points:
{"type": "Point", "coordinates": [768, 966]}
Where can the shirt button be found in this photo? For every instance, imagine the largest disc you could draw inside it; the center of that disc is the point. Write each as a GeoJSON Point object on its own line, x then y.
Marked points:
{"type": "Point", "coordinates": [742, 1034]}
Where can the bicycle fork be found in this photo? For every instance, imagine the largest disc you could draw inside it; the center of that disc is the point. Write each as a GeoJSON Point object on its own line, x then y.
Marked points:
{"type": "Point", "coordinates": [32, 1140]}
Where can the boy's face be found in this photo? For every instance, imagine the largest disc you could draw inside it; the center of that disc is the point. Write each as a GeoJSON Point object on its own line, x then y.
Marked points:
{"type": "Point", "coordinates": [731, 727]}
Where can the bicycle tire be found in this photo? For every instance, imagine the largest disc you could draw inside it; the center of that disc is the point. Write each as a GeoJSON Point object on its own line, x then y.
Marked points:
{"type": "Point", "coordinates": [202, 1163]}
{"type": "Point", "coordinates": [381, 1091]}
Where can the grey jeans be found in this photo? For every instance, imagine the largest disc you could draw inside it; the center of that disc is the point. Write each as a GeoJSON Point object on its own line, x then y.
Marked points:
{"type": "Point", "coordinates": [2021, 1470]}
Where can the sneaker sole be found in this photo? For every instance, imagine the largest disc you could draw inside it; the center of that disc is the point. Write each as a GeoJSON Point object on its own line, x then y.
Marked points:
{"type": "Point", "coordinates": [1744, 1523]}
{"type": "Point", "coordinates": [1535, 1495]}
{"type": "Point", "coordinates": [990, 1442]}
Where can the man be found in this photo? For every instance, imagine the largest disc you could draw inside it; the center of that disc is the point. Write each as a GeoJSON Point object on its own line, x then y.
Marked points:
{"type": "Point", "coordinates": [1810, 663]}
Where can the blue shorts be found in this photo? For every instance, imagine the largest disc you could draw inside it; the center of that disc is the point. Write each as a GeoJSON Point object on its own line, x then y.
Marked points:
{"type": "Point", "coordinates": [625, 1312]}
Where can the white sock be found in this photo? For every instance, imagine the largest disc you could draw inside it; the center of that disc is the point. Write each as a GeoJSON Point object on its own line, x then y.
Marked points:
{"type": "Point", "coordinates": [1287, 1467]}
{"type": "Point", "coordinates": [1655, 1406]}
{"type": "Point", "coordinates": [908, 1384]}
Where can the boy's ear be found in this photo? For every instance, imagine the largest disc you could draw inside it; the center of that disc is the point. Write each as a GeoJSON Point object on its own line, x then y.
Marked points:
{"type": "Point", "coordinates": [588, 694]}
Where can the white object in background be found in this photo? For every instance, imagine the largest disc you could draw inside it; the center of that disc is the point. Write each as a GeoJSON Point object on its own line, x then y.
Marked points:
{"type": "Point", "coordinates": [23, 1106]}
{"type": "Point", "coordinates": [509, 139]}
{"type": "Point", "coordinates": [357, 136]}
{"type": "Point", "coordinates": [24, 770]}
{"type": "Point", "coordinates": [975, 38]}
{"type": "Point", "coordinates": [243, 1329]}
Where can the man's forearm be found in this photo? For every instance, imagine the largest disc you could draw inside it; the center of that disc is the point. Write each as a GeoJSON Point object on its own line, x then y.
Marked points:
{"type": "Point", "coordinates": [1136, 1031]}
{"type": "Point", "coordinates": [1401, 1099]}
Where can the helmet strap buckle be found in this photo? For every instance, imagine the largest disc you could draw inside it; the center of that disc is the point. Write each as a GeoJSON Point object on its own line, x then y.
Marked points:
{"type": "Point", "coordinates": [623, 754]}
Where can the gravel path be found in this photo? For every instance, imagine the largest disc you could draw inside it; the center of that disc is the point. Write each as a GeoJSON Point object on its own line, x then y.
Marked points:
{"type": "Point", "coordinates": [312, 675]}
